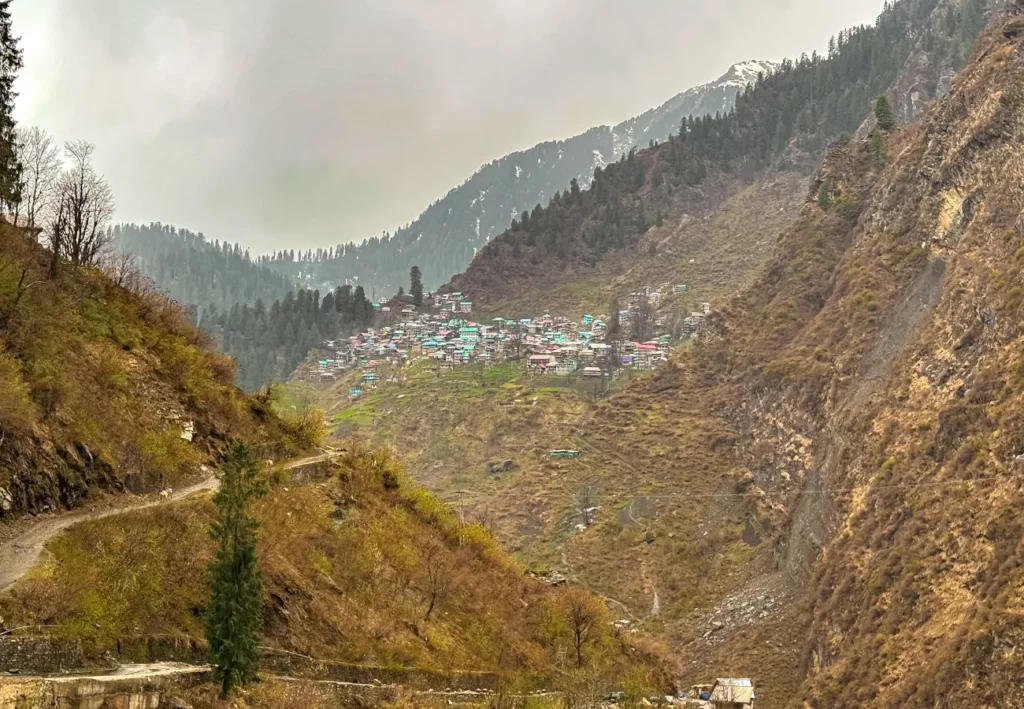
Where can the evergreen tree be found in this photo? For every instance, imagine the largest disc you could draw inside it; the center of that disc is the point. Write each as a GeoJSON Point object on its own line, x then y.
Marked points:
{"type": "Point", "coordinates": [614, 330]}
{"type": "Point", "coordinates": [235, 617]}
{"type": "Point", "coordinates": [613, 333]}
{"type": "Point", "coordinates": [884, 114]}
{"type": "Point", "coordinates": [825, 195]}
{"type": "Point", "coordinates": [416, 286]}
{"type": "Point", "coordinates": [10, 63]}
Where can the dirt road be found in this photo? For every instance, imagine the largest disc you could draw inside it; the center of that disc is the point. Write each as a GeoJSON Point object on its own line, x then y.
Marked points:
{"type": "Point", "coordinates": [20, 554]}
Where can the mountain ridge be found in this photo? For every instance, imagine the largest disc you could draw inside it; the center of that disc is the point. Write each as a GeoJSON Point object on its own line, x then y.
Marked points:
{"type": "Point", "coordinates": [463, 220]}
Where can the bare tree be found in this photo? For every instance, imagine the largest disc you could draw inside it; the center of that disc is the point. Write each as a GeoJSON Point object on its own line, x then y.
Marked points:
{"type": "Point", "coordinates": [584, 502]}
{"type": "Point", "coordinates": [84, 207]}
{"type": "Point", "coordinates": [25, 283]}
{"type": "Point", "coordinates": [41, 167]}
{"type": "Point", "coordinates": [437, 574]}
{"type": "Point", "coordinates": [641, 320]}
{"type": "Point", "coordinates": [586, 617]}
{"type": "Point", "coordinates": [123, 269]}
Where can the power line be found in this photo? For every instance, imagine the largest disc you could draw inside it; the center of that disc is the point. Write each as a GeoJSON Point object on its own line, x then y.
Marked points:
{"type": "Point", "coordinates": [791, 493]}
{"type": "Point", "coordinates": [825, 491]}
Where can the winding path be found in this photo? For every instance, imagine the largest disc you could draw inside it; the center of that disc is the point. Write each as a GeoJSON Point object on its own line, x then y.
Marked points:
{"type": "Point", "coordinates": [21, 553]}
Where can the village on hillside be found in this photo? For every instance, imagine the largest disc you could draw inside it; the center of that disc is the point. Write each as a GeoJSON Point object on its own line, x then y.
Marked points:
{"type": "Point", "coordinates": [636, 338]}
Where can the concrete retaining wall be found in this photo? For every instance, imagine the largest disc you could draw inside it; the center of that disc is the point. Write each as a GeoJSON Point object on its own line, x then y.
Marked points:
{"type": "Point", "coordinates": [97, 692]}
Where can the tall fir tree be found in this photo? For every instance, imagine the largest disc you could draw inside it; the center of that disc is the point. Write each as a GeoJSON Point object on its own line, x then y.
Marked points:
{"type": "Point", "coordinates": [234, 619]}
{"type": "Point", "coordinates": [10, 64]}
{"type": "Point", "coordinates": [416, 286]}
{"type": "Point", "coordinates": [884, 114]}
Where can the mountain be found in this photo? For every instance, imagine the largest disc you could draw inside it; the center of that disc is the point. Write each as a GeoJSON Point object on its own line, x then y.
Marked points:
{"type": "Point", "coordinates": [198, 272]}
{"type": "Point", "coordinates": [822, 491]}
{"type": "Point", "coordinates": [651, 215]}
{"type": "Point", "coordinates": [444, 238]}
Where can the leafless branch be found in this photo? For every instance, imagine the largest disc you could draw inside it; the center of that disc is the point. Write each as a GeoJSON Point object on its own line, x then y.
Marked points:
{"type": "Point", "coordinates": [41, 169]}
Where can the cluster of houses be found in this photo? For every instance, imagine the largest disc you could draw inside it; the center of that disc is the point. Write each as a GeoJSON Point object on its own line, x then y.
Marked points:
{"type": "Point", "coordinates": [548, 344]}
{"type": "Point", "coordinates": [725, 693]}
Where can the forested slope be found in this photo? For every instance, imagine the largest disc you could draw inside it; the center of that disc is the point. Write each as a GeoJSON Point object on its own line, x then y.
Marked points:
{"type": "Point", "coordinates": [643, 205]}
{"type": "Point", "coordinates": [444, 238]}
{"type": "Point", "coordinates": [250, 309]}
{"type": "Point", "coordinates": [197, 272]}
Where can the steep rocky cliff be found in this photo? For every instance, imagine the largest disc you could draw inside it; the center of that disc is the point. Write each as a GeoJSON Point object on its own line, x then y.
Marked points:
{"type": "Point", "coordinates": [866, 392]}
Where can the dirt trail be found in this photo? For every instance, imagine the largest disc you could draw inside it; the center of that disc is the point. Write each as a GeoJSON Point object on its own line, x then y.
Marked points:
{"type": "Point", "coordinates": [20, 554]}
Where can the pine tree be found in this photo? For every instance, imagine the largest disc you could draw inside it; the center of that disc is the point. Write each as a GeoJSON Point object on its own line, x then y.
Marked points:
{"type": "Point", "coordinates": [416, 286]}
{"type": "Point", "coordinates": [613, 333]}
{"type": "Point", "coordinates": [234, 618]}
{"type": "Point", "coordinates": [825, 195]}
{"type": "Point", "coordinates": [10, 63]}
{"type": "Point", "coordinates": [884, 114]}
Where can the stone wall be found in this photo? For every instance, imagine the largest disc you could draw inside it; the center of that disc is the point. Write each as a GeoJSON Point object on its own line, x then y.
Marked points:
{"type": "Point", "coordinates": [41, 655]}
{"type": "Point", "coordinates": [297, 666]}
{"type": "Point", "coordinates": [110, 692]}
{"type": "Point", "coordinates": [56, 656]}
{"type": "Point", "coordinates": [157, 648]}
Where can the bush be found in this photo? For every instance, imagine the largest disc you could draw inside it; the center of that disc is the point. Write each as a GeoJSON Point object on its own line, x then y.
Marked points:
{"type": "Point", "coordinates": [304, 431]}
{"type": "Point", "coordinates": [17, 411]}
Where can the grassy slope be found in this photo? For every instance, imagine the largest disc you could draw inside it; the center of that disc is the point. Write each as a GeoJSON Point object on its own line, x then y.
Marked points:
{"type": "Point", "coordinates": [449, 427]}
{"type": "Point", "coordinates": [349, 565]}
{"type": "Point", "coordinates": [97, 382]}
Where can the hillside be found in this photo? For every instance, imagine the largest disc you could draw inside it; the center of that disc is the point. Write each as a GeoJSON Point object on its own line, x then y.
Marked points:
{"type": "Point", "coordinates": [111, 397]}
{"type": "Point", "coordinates": [857, 401]}
{"type": "Point", "coordinates": [444, 238]}
{"type": "Point", "coordinates": [359, 566]}
{"type": "Point", "coordinates": [107, 388]}
{"type": "Point", "coordinates": [843, 440]}
{"type": "Point", "coordinates": [198, 272]}
{"type": "Point", "coordinates": [649, 210]}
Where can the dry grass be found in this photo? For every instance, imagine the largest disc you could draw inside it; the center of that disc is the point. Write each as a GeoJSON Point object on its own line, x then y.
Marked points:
{"type": "Point", "coordinates": [363, 567]}
{"type": "Point", "coordinates": [97, 383]}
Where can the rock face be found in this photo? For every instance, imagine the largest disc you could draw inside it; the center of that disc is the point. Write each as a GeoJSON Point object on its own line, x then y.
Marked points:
{"type": "Point", "coordinates": [877, 363]}
{"type": "Point", "coordinates": [870, 380]}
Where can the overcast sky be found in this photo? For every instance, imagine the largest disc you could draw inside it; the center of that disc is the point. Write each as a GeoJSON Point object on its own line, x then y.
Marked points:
{"type": "Point", "coordinates": [296, 123]}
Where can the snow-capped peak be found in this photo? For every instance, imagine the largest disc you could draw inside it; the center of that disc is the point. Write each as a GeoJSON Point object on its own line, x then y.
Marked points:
{"type": "Point", "coordinates": [746, 73]}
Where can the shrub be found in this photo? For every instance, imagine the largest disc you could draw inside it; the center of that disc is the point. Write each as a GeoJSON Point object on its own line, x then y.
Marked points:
{"type": "Point", "coordinates": [304, 431]}
{"type": "Point", "coordinates": [17, 411]}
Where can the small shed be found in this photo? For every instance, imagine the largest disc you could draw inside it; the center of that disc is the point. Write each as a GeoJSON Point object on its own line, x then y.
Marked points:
{"type": "Point", "coordinates": [732, 694]}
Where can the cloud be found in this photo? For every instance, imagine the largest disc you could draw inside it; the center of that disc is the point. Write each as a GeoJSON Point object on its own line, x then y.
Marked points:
{"type": "Point", "coordinates": [307, 122]}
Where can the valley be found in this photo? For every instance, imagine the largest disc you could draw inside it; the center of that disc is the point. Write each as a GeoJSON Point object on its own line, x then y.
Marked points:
{"type": "Point", "coordinates": [738, 414]}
